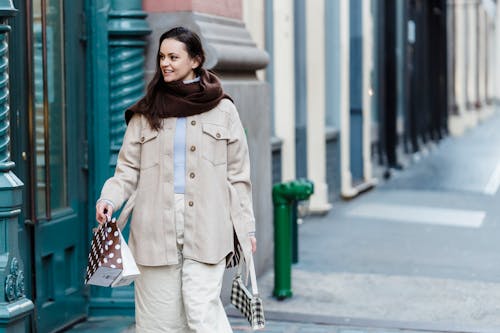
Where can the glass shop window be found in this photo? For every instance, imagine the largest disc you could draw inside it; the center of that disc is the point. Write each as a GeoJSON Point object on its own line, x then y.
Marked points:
{"type": "Point", "coordinates": [49, 107]}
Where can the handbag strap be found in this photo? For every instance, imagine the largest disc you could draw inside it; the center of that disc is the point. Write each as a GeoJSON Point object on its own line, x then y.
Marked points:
{"type": "Point", "coordinates": [253, 277]}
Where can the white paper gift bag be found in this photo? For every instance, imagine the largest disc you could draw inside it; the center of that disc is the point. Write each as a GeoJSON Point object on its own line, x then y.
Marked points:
{"type": "Point", "coordinates": [110, 262]}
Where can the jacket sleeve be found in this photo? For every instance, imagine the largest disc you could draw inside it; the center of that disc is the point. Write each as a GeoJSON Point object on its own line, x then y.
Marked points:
{"type": "Point", "coordinates": [119, 188]}
{"type": "Point", "coordinates": [238, 170]}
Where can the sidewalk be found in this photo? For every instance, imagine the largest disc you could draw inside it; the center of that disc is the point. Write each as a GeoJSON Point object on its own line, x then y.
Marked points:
{"type": "Point", "coordinates": [419, 253]}
{"type": "Point", "coordinates": [126, 325]}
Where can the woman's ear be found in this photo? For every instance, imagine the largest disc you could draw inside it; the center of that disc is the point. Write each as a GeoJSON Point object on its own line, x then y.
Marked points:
{"type": "Point", "coordinates": [195, 63]}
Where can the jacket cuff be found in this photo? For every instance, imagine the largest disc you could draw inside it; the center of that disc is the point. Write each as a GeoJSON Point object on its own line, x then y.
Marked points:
{"type": "Point", "coordinates": [251, 227]}
{"type": "Point", "coordinates": [109, 202]}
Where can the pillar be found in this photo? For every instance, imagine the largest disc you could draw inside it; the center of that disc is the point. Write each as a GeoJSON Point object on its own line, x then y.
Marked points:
{"type": "Point", "coordinates": [254, 18]}
{"type": "Point", "coordinates": [316, 141]}
{"type": "Point", "coordinates": [333, 88]}
{"type": "Point", "coordinates": [347, 189]}
{"type": "Point", "coordinates": [118, 73]}
{"type": "Point", "coordinates": [15, 308]}
{"type": "Point", "coordinates": [486, 13]}
{"type": "Point", "coordinates": [472, 58]}
{"type": "Point", "coordinates": [493, 84]}
{"type": "Point", "coordinates": [367, 93]}
{"type": "Point", "coordinates": [495, 46]}
{"type": "Point", "coordinates": [284, 84]}
{"type": "Point", "coordinates": [481, 19]}
{"type": "Point", "coordinates": [451, 37]}
{"type": "Point", "coordinates": [495, 54]}
{"type": "Point", "coordinates": [457, 122]}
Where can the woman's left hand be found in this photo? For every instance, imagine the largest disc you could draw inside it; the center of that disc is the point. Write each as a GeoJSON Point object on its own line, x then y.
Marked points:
{"type": "Point", "coordinates": [253, 240]}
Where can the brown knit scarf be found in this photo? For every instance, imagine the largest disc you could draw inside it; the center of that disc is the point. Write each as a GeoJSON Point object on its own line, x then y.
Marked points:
{"type": "Point", "coordinates": [179, 99]}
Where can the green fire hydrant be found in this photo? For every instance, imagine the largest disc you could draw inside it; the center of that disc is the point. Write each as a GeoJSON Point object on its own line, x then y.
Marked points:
{"type": "Point", "coordinates": [284, 195]}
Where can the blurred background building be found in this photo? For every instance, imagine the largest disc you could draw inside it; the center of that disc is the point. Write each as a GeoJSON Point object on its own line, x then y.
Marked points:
{"type": "Point", "coordinates": [341, 92]}
{"type": "Point", "coordinates": [357, 85]}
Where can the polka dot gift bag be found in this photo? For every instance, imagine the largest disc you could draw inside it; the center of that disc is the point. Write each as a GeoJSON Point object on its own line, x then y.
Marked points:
{"type": "Point", "coordinates": [110, 262]}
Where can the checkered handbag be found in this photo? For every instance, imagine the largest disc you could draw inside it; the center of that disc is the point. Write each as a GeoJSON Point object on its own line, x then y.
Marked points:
{"type": "Point", "coordinates": [249, 303]}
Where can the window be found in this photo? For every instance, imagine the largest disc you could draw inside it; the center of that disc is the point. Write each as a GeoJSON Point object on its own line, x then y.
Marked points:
{"type": "Point", "coordinates": [49, 124]}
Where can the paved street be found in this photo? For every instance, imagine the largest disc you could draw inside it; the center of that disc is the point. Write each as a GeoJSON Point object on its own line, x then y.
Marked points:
{"type": "Point", "coordinates": [420, 253]}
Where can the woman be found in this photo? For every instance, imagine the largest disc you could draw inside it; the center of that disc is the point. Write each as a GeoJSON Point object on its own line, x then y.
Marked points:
{"type": "Point", "coordinates": [184, 166]}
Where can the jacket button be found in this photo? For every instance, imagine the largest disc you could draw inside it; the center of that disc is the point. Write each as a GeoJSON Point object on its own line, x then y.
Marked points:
{"type": "Point", "coordinates": [142, 139]}
{"type": "Point", "coordinates": [193, 148]}
{"type": "Point", "coordinates": [217, 135]}
{"type": "Point", "coordinates": [192, 175]}
{"type": "Point", "coordinates": [191, 204]}
{"type": "Point", "coordinates": [193, 122]}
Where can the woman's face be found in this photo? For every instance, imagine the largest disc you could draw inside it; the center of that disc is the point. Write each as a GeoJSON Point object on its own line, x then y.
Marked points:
{"type": "Point", "coordinates": [175, 62]}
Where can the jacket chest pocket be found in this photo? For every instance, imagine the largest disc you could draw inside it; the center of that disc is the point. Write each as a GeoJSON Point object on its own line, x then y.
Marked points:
{"type": "Point", "coordinates": [150, 149]}
{"type": "Point", "coordinates": [214, 143]}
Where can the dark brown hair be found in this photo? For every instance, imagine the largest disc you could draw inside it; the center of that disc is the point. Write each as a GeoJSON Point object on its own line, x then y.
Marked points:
{"type": "Point", "coordinates": [151, 104]}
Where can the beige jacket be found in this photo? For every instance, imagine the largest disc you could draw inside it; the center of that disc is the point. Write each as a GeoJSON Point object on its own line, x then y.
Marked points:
{"type": "Point", "coordinates": [218, 192]}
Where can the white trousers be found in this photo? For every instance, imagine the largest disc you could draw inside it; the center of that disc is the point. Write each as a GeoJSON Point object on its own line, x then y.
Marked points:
{"type": "Point", "coordinates": [180, 298]}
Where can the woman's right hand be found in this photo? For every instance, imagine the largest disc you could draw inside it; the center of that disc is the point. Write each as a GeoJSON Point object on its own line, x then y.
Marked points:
{"type": "Point", "coordinates": [103, 211]}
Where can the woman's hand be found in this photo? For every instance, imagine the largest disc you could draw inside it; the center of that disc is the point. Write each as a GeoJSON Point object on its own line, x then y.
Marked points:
{"type": "Point", "coordinates": [103, 211]}
{"type": "Point", "coordinates": [253, 240]}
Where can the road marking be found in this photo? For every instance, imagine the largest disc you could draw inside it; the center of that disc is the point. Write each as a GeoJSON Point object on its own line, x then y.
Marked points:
{"type": "Point", "coordinates": [494, 181]}
{"type": "Point", "coordinates": [421, 214]}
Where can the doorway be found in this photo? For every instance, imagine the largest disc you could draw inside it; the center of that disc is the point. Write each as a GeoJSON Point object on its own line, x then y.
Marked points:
{"type": "Point", "coordinates": [48, 144]}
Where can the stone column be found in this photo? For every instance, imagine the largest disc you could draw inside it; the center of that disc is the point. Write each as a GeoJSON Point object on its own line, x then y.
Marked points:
{"type": "Point", "coordinates": [451, 40]}
{"type": "Point", "coordinates": [495, 46]}
{"type": "Point", "coordinates": [234, 56]}
{"type": "Point", "coordinates": [458, 121]}
{"type": "Point", "coordinates": [493, 83]}
{"type": "Point", "coordinates": [472, 58]}
{"type": "Point", "coordinates": [14, 306]}
{"type": "Point", "coordinates": [347, 189]}
{"type": "Point", "coordinates": [316, 152]}
{"type": "Point", "coordinates": [368, 64]}
{"type": "Point", "coordinates": [487, 58]}
{"type": "Point", "coordinates": [284, 84]}
{"type": "Point", "coordinates": [481, 17]}
{"type": "Point", "coordinates": [495, 86]}
{"type": "Point", "coordinates": [254, 18]}
{"type": "Point", "coordinates": [491, 48]}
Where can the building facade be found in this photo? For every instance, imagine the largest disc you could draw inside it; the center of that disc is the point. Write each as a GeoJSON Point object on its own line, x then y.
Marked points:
{"type": "Point", "coordinates": [339, 92]}
{"type": "Point", "coordinates": [360, 88]}
{"type": "Point", "coordinates": [69, 70]}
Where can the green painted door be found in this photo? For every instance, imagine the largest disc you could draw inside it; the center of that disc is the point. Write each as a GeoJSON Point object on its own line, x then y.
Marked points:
{"type": "Point", "coordinates": [58, 176]}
